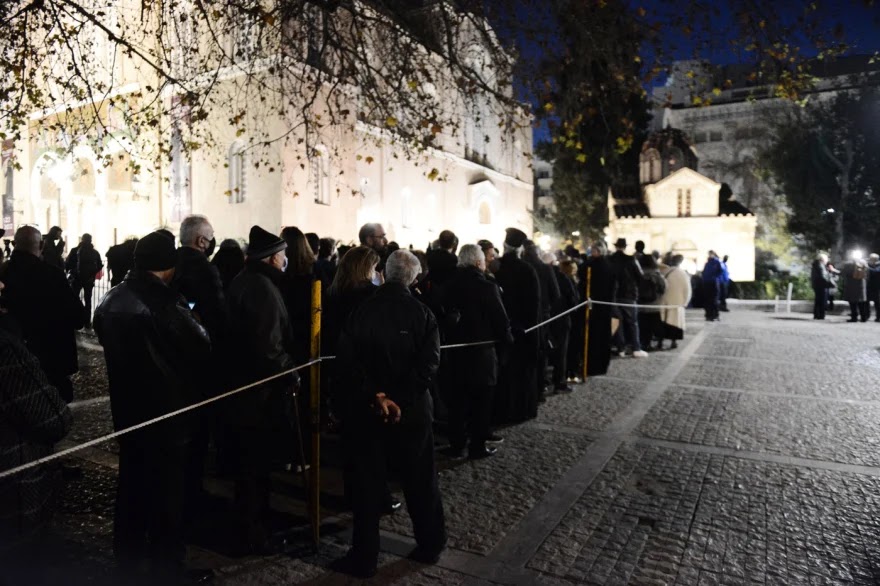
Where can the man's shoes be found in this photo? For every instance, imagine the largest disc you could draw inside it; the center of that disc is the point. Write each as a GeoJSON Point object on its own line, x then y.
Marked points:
{"type": "Point", "coordinates": [392, 506]}
{"type": "Point", "coordinates": [350, 565]}
{"type": "Point", "coordinates": [480, 453]}
{"type": "Point", "coordinates": [640, 354]}
{"type": "Point", "coordinates": [426, 556]}
{"type": "Point", "coordinates": [453, 453]}
{"type": "Point", "coordinates": [563, 388]}
{"type": "Point", "coordinates": [622, 354]}
{"type": "Point", "coordinates": [851, 321]}
{"type": "Point", "coordinates": [494, 439]}
{"type": "Point", "coordinates": [674, 345]}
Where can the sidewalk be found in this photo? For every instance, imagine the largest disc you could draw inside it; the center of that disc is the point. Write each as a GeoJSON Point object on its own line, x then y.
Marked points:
{"type": "Point", "coordinates": [749, 455]}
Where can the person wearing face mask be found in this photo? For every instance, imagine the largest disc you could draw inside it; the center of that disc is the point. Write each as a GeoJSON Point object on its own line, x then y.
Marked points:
{"type": "Point", "coordinates": [260, 336]}
{"type": "Point", "coordinates": [195, 277]}
{"type": "Point", "coordinates": [198, 281]}
{"type": "Point", "coordinates": [156, 352]}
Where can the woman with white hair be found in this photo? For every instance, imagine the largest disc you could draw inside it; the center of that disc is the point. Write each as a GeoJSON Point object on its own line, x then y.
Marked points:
{"type": "Point", "coordinates": [820, 280]}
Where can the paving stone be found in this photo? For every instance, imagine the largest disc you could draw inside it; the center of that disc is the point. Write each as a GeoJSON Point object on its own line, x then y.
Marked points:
{"type": "Point", "coordinates": [484, 499]}
{"type": "Point", "coordinates": [834, 431]}
{"type": "Point", "coordinates": [592, 405]}
{"type": "Point", "coordinates": [91, 380]}
{"type": "Point", "coordinates": [815, 510]}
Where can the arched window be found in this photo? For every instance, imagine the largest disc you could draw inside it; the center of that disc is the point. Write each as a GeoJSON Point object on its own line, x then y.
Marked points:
{"type": "Point", "coordinates": [237, 172]}
{"type": "Point", "coordinates": [83, 178]}
{"type": "Point", "coordinates": [674, 160]}
{"type": "Point", "coordinates": [319, 174]}
{"type": "Point", "coordinates": [485, 213]}
{"type": "Point", "coordinates": [649, 167]}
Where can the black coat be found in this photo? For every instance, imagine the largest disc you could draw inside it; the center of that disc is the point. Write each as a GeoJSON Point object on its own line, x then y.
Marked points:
{"type": "Point", "coordinates": [297, 293]}
{"type": "Point", "coordinates": [391, 345]}
{"type": "Point", "coordinates": [39, 298]}
{"type": "Point", "coordinates": [474, 313]}
{"type": "Point", "coordinates": [626, 273]}
{"type": "Point", "coordinates": [88, 263]}
{"type": "Point", "coordinates": [568, 298]}
{"type": "Point", "coordinates": [156, 353]}
{"type": "Point", "coordinates": [52, 252]}
{"type": "Point", "coordinates": [33, 417]}
{"type": "Point", "coordinates": [336, 311]}
{"type": "Point", "coordinates": [521, 293]}
{"type": "Point", "coordinates": [550, 295]}
{"type": "Point", "coordinates": [259, 343]}
{"type": "Point", "coordinates": [120, 260]}
{"type": "Point", "coordinates": [601, 289]}
{"type": "Point", "coordinates": [229, 262]}
{"type": "Point", "coordinates": [199, 282]}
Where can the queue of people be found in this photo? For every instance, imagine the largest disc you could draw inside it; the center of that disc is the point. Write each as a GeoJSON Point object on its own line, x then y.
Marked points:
{"type": "Point", "coordinates": [860, 283]}
{"type": "Point", "coordinates": [186, 323]}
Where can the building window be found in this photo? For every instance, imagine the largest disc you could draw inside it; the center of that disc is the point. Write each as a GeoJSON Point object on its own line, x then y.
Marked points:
{"type": "Point", "coordinates": [680, 204]}
{"type": "Point", "coordinates": [181, 178]}
{"type": "Point", "coordinates": [687, 210]}
{"type": "Point", "coordinates": [244, 41]}
{"type": "Point", "coordinates": [237, 173]}
{"type": "Point", "coordinates": [319, 175]}
{"type": "Point", "coordinates": [700, 137]}
{"type": "Point", "coordinates": [716, 136]}
{"type": "Point", "coordinates": [485, 213]}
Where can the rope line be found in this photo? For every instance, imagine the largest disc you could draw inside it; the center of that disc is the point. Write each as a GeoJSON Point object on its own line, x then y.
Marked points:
{"type": "Point", "coordinates": [149, 422]}
{"type": "Point", "coordinates": [127, 430]}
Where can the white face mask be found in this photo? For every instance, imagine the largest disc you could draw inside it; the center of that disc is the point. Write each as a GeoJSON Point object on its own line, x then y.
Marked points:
{"type": "Point", "coordinates": [376, 280]}
{"type": "Point", "coordinates": [284, 265]}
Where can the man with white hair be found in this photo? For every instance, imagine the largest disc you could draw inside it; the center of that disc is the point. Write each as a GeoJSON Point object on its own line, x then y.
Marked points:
{"type": "Point", "coordinates": [389, 351]}
{"type": "Point", "coordinates": [820, 281]}
{"type": "Point", "coordinates": [475, 314]}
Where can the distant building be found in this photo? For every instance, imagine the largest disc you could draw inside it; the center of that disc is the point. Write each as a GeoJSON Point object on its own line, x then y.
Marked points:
{"type": "Point", "coordinates": [675, 208]}
{"type": "Point", "coordinates": [543, 177]}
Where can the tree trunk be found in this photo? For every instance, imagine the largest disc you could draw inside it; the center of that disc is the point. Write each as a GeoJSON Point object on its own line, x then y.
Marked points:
{"type": "Point", "coordinates": [844, 167]}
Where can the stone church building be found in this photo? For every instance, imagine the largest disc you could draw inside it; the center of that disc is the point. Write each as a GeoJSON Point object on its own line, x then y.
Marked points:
{"type": "Point", "coordinates": [675, 208]}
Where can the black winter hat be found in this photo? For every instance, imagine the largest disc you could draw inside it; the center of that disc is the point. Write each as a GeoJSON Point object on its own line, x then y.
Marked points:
{"type": "Point", "coordinates": [621, 243]}
{"type": "Point", "coordinates": [262, 243]}
{"type": "Point", "coordinates": [515, 237]}
{"type": "Point", "coordinates": [155, 252]}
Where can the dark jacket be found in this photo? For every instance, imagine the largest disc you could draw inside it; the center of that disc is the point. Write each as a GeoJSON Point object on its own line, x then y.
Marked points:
{"type": "Point", "coordinates": [259, 343]}
{"type": "Point", "coordinates": [712, 271]}
{"type": "Point", "coordinates": [550, 295]}
{"type": "Point", "coordinates": [53, 253]}
{"type": "Point", "coordinates": [88, 263]}
{"type": "Point", "coordinates": [474, 313]}
{"type": "Point", "coordinates": [120, 260]}
{"type": "Point", "coordinates": [325, 270]}
{"type": "Point", "coordinates": [49, 313]}
{"type": "Point", "coordinates": [297, 293]}
{"type": "Point", "coordinates": [855, 282]}
{"type": "Point", "coordinates": [229, 262]}
{"type": "Point", "coordinates": [391, 345]}
{"type": "Point", "coordinates": [156, 354]}
{"type": "Point", "coordinates": [873, 282]}
{"type": "Point", "coordinates": [568, 298]}
{"type": "Point", "coordinates": [32, 418]}
{"type": "Point", "coordinates": [521, 293]}
{"type": "Point", "coordinates": [336, 311]}
{"type": "Point", "coordinates": [626, 272]}
{"type": "Point", "coordinates": [819, 276]}
{"type": "Point", "coordinates": [199, 282]}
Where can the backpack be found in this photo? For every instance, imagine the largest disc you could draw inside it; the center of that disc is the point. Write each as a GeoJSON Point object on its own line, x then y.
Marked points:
{"type": "Point", "coordinates": [652, 286]}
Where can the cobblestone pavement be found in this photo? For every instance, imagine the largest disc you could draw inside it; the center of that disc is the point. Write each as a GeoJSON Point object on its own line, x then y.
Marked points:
{"type": "Point", "coordinates": [750, 455]}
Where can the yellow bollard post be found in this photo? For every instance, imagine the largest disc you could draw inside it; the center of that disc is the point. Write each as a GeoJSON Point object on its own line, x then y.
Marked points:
{"type": "Point", "coordinates": [315, 415]}
{"type": "Point", "coordinates": [587, 323]}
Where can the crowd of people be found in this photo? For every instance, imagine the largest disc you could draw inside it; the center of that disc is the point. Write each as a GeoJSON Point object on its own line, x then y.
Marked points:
{"type": "Point", "coordinates": [859, 281]}
{"type": "Point", "coordinates": [184, 323]}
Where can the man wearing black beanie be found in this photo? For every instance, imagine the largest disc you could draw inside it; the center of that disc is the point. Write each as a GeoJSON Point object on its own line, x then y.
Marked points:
{"type": "Point", "coordinates": [155, 351]}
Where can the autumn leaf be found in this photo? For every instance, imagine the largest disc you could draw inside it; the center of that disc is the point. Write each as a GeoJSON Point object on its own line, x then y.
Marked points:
{"type": "Point", "coordinates": [433, 174]}
{"type": "Point", "coordinates": [581, 158]}
{"type": "Point", "coordinates": [391, 122]}
{"type": "Point", "coordinates": [412, 84]}
{"type": "Point", "coordinates": [369, 160]}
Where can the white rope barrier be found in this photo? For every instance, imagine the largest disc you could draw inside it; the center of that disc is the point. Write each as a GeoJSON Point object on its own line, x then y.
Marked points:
{"type": "Point", "coordinates": [127, 430]}
{"type": "Point", "coordinates": [149, 422]}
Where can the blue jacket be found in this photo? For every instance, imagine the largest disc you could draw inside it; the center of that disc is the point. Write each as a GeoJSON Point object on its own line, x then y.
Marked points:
{"type": "Point", "coordinates": [725, 274]}
{"type": "Point", "coordinates": [713, 271]}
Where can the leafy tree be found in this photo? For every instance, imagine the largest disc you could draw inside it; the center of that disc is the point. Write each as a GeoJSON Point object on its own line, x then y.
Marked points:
{"type": "Point", "coordinates": [825, 160]}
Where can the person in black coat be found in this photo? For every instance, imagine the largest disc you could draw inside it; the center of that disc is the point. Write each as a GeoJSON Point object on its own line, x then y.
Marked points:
{"type": "Point", "coordinates": [601, 279]}
{"type": "Point", "coordinates": [390, 352]}
{"type": "Point", "coordinates": [550, 301]}
{"type": "Point", "coordinates": [475, 313]}
{"type": "Point", "coordinates": [120, 260]}
{"type": "Point", "coordinates": [516, 399]}
{"type": "Point", "coordinates": [325, 266]}
{"type": "Point", "coordinates": [874, 285]}
{"type": "Point", "coordinates": [627, 274]}
{"type": "Point", "coordinates": [259, 345]}
{"type": "Point", "coordinates": [820, 280]}
{"type": "Point", "coordinates": [48, 312]}
{"type": "Point", "coordinates": [156, 353]}
{"type": "Point", "coordinates": [88, 265]}
{"type": "Point", "coordinates": [560, 329]}
{"type": "Point", "coordinates": [196, 278]}
{"type": "Point", "coordinates": [229, 261]}
{"type": "Point", "coordinates": [52, 248]}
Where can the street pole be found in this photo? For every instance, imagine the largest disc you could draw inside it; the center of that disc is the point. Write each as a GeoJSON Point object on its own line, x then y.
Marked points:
{"type": "Point", "coordinates": [315, 415]}
{"type": "Point", "coordinates": [587, 323]}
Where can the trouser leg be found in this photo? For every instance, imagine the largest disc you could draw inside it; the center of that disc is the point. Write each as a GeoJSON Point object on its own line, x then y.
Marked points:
{"type": "Point", "coordinates": [63, 384]}
{"type": "Point", "coordinates": [87, 302]}
{"type": "Point", "coordinates": [630, 325]}
{"type": "Point", "coordinates": [560, 359]}
{"type": "Point", "coordinates": [481, 414]}
{"type": "Point", "coordinates": [165, 528]}
{"type": "Point", "coordinates": [368, 467]}
{"type": "Point", "coordinates": [819, 303]}
{"type": "Point", "coordinates": [252, 484]}
{"type": "Point", "coordinates": [853, 310]}
{"type": "Point", "coordinates": [420, 486]}
{"type": "Point", "coordinates": [131, 510]}
{"type": "Point", "coordinates": [864, 310]}
{"type": "Point", "coordinates": [457, 410]}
